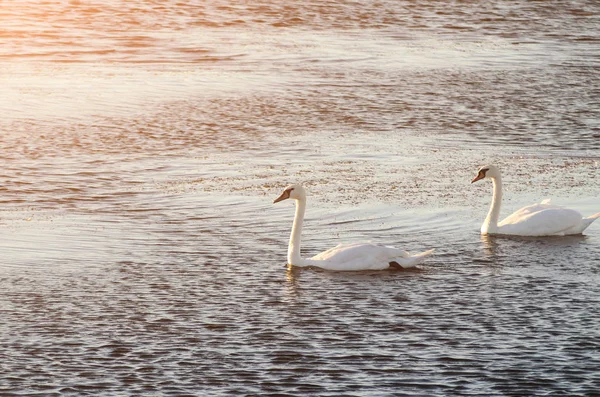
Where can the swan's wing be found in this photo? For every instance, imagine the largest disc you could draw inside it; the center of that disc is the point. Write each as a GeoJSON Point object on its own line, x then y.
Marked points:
{"type": "Point", "coordinates": [347, 252]}
{"type": "Point", "coordinates": [358, 256]}
{"type": "Point", "coordinates": [530, 209]}
{"type": "Point", "coordinates": [540, 220]}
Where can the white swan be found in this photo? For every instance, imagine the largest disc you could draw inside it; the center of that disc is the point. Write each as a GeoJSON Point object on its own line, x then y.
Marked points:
{"type": "Point", "coordinates": [348, 257]}
{"type": "Point", "coordinates": [542, 219]}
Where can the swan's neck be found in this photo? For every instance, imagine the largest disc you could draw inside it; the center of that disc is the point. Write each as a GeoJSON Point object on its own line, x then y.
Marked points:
{"type": "Point", "coordinates": [490, 225]}
{"type": "Point", "coordinates": [294, 247]}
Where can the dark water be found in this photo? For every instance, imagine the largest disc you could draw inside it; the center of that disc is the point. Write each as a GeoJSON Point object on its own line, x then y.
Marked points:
{"type": "Point", "coordinates": [142, 144]}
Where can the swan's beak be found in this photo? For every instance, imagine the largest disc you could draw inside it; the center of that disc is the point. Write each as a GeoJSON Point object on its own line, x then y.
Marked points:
{"type": "Point", "coordinates": [284, 196]}
{"type": "Point", "coordinates": [479, 176]}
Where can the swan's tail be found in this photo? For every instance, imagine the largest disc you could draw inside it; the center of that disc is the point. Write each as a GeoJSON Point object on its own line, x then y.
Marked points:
{"type": "Point", "coordinates": [413, 260]}
{"type": "Point", "coordinates": [585, 222]}
{"type": "Point", "coordinates": [588, 221]}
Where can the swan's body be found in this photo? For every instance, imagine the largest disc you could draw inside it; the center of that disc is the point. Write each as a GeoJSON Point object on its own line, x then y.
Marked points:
{"type": "Point", "coordinates": [363, 256]}
{"type": "Point", "coordinates": [344, 257]}
{"type": "Point", "coordinates": [543, 219]}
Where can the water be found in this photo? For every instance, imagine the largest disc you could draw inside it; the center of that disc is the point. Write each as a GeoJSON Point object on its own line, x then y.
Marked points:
{"type": "Point", "coordinates": [143, 144]}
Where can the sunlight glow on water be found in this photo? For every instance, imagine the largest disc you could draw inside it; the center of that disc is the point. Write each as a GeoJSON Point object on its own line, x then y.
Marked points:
{"type": "Point", "coordinates": [143, 144]}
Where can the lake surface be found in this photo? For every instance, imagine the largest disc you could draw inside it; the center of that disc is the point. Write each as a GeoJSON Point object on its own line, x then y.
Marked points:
{"type": "Point", "coordinates": [142, 145]}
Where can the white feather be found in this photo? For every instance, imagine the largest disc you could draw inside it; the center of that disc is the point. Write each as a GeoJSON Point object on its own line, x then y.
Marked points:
{"type": "Point", "coordinates": [344, 257]}
{"type": "Point", "coordinates": [543, 219]}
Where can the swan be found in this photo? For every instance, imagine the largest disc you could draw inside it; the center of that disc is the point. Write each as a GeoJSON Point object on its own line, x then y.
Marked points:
{"type": "Point", "coordinates": [543, 219]}
{"type": "Point", "coordinates": [344, 257]}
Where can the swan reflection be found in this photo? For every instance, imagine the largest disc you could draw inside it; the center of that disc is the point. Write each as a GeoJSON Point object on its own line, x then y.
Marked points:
{"type": "Point", "coordinates": [489, 244]}
{"type": "Point", "coordinates": [292, 275]}
{"type": "Point", "coordinates": [492, 244]}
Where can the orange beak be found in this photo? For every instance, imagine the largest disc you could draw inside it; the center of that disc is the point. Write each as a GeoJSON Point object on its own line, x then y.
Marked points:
{"type": "Point", "coordinates": [284, 196]}
{"type": "Point", "coordinates": [479, 176]}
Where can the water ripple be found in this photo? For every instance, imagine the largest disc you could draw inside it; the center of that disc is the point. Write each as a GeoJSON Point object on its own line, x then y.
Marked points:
{"type": "Point", "coordinates": [143, 144]}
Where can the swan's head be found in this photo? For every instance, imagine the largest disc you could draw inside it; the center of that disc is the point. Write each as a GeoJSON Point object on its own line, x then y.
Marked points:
{"type": "Point", "coordinates": [294, 192]}
{"type": "Point", "coordinates": [487, 171]}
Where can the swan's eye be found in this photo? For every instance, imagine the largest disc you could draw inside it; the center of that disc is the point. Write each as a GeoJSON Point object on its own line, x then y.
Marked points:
{"type": "Point", "coordinates": [483, 171]}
